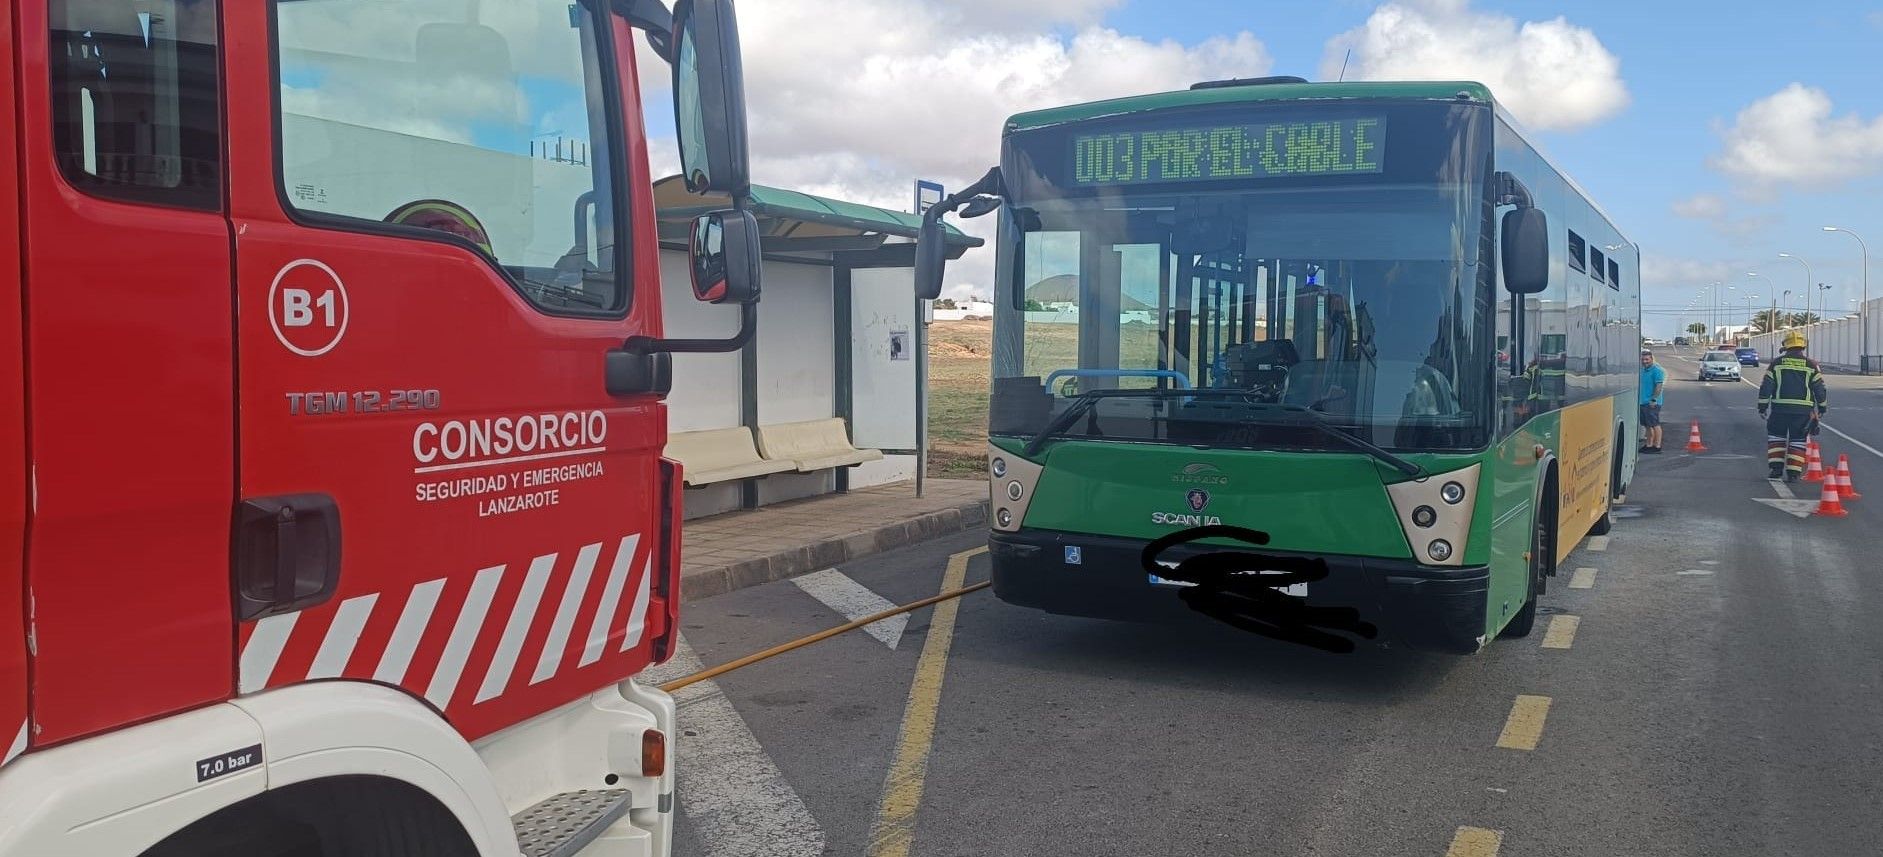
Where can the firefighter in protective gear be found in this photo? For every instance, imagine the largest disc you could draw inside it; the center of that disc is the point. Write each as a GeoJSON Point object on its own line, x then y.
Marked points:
{"type": "Point", "coordinates": [1792, 398]}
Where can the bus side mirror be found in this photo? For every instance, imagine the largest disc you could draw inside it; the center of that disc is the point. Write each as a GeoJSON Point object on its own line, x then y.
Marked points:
{"type": "Point", "coordinates": [1526, 251]}
{"type": "Point", "coordinates": [931, 256]}
{"type": "Point", "coordinates": [709, 98]}
{"type": "Point", "coordinates": [726, 258]}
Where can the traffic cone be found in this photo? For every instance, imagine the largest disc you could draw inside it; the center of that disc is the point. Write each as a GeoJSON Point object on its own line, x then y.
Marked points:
{"type": "Point", "coordinates": [1829, 504]}
{"type": "Point", "coordinates": [1693, 438]}
{"type": "Point", "coordinates": [1814, 462]}
{"type": "Point", "coordinates": [1845, 490]}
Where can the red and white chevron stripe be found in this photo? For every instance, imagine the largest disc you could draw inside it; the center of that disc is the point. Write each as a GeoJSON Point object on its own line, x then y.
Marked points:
{"type": "Point", "coordinates": [14, 747]}
{"type": "Point", "coordinates": [439, 678]}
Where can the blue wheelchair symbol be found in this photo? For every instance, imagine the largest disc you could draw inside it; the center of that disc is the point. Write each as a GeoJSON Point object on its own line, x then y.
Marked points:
{"type": "Point", "coordinates": [1073, 556]}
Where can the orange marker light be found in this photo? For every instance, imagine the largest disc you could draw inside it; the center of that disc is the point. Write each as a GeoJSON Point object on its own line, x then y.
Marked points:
{"type": "Point", "coordinates": [653, 753]}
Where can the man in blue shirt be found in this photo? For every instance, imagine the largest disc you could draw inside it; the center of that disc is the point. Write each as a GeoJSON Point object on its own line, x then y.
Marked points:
{"type": "Point", "coordinates": [1653, 392]}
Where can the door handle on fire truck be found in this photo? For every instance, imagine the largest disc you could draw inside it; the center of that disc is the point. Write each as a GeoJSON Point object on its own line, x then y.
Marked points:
{"type": "Point", "coordinates": [287, 553]}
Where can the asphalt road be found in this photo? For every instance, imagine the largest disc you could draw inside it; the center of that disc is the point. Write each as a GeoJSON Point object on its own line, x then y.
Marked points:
{"type": "Point", "coordinates": [1720, 695]}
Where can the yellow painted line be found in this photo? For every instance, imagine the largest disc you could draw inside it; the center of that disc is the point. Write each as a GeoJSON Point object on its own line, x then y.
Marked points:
{"type": "Point", "coordinates": [894, 830]}
{"type": "Point", "coordinates": [1584, 578]}
{"type": "Point", "coordinates": [1475, 842]}
{"type": "Point", "coordinates": [1524, 727]}
{"type": "Point", "coordinates": [1562, 632]}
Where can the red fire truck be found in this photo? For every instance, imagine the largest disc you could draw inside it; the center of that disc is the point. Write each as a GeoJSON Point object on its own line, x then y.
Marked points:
{"type": "Point", "coordinates": [333, 517]}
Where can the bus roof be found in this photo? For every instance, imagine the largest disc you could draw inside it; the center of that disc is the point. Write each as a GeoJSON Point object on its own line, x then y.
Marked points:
{"type": "Point", "coordinates": [1419, 90]}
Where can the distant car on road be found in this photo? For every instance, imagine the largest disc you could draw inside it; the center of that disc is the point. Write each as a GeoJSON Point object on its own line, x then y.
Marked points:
{"type": "Point", "coordinates": [1719, 366]}
{"type": "Point", "coordinates": [1747, 356]}
{"type": "Point", "coordinates": [1680, 340]}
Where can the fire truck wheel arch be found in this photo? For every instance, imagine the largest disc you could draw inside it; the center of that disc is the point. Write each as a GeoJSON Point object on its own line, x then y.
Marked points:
{"type": "Point", "coordinates": [124, 791]}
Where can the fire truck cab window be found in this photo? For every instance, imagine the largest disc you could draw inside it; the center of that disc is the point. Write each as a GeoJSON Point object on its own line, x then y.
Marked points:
{"type": "Point", "coordinates": [483, 124]}
{"type": "Point", "coordinates": [134, 100]}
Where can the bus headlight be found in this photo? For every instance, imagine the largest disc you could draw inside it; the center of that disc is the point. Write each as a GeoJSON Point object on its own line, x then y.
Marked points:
{"type": "Point", "coordinates": [1452, 493]}
{"type": "Point", "coordinates": [1425, 516]}
{"type": "Point", "coordinates": [1014, 490]}
{"type": "Point", "coordinates": [999, 467]}
{"type": "Point", "coordinates": [1004, 517]}
{"type": "Point", "coordinates": [1439, 549]}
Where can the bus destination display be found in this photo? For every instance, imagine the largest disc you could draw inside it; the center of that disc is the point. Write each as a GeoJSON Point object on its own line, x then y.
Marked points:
{"type": "Point", "coordinates": [1324, 147]}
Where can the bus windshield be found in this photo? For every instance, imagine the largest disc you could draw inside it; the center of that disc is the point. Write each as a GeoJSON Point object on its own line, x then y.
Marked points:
{"type": "Point", "coordinates": [1351, 288]}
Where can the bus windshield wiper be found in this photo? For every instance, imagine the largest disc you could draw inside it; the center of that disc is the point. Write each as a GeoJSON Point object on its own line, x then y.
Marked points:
{"type": "Point", "coordinates": [1083, 403]}
{"type": "Point", "coordinates": [1320, 423]}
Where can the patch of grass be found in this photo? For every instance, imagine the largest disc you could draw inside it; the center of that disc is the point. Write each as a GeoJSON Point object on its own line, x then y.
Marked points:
{"type": "Point", "coordinates": [958, 378]}
{"type": "Point", "coordinates": [960, 372]}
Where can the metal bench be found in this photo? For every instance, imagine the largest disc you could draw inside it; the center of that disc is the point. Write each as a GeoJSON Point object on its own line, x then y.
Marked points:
{"type": "Point", "coordinates": [812, 445]}
{"type": "Point", "coordinates": [720, 455]}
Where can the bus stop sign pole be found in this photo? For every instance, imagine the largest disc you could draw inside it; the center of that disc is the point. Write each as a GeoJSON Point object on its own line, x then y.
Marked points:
{"type": "Point", "coordinates": [927, 193]}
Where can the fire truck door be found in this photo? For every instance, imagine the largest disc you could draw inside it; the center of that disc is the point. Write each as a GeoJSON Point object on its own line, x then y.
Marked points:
{"type": "Point", "coordinates": [432, 263]}
{"type": "Point", "coordinates": [127, 313]}
{"type": "Point", "coordinates": [13, 731]}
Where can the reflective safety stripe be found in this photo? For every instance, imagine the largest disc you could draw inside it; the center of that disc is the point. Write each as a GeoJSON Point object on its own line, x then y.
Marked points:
{"type": "Point", "coordinates": [1792, 383]}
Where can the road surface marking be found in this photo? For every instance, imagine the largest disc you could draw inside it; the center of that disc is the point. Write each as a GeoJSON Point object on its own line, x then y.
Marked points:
{"type": "Point", "coordinates": [1696, 571]}
{"type": "Point", "coordinates": [730, 790]}
{"type": "Point", "coordinates": [1783, 489]}
{"type": "Point", "coordinates": [1524, 727]}
{"type": "Point", "coordinates": [1709, 562]}
{"type": "Point", "coordinates": [1562, 632]}
{"type": "Point", "coordinates": [1598, 543]}
{"type": "Point", "coordinates": [1794, 508]}
{"type": "Point", "coordinates": [1475, 842]}
{"type": "Point", "coordinates": [1584, 578]}
{"type": "Point", "coordinates": [855, 601]}
{"type": "Point", "coordinates": [894, 831]}
{"type": "Point", "coordinates": [1873, 450]}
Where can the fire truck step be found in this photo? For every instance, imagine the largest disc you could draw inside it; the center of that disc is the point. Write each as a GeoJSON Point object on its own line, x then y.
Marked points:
{"type": "Point", "coordinates": [563, 824]}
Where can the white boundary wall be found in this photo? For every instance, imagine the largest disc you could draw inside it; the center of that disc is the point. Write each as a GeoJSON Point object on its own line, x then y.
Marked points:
{"type": "Point", "coordinates": [1832, 343]}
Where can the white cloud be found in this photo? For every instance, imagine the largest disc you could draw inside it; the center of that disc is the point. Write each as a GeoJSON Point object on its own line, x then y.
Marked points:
{"type": "Point", "coordinates": [1704, 206]}
{"type": "Point", "coordinates": [859, 103]}
{"type": "Point", "coordinates": [1552, 74]}
{"type": "Point", "coordinates": [1664, 272]}
{"type": "Point", "coordinates": [1718, 216]}
{"type": "Point", "coordinates": [1791, 138]}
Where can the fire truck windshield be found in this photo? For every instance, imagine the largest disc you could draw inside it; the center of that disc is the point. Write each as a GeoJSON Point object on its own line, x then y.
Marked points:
{"type": "Point", "coordinates": [487, 122]}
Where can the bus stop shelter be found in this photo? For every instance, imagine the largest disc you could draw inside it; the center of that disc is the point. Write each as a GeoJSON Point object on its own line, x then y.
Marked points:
{"type": "Point", "coordinates": [839, 336]}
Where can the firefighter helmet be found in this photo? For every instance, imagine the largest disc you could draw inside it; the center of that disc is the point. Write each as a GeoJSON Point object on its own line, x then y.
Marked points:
{"type": "Point", "coordinates": [1794, 339]}
{"type": "Point", "coordinates": [445, 217]}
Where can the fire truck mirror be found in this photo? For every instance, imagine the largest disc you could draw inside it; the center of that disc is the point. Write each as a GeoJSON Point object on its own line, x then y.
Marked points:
{"type": "Point", "coordinates": [709, 97]}
{"type": "Point", "coordinates": [287, 553]}
{"type": "Point", "coordinates": [726, 257]}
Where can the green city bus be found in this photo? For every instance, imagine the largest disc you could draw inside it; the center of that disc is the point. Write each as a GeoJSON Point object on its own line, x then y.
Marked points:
{"type": "Point", "coordinates": [1368, 320]}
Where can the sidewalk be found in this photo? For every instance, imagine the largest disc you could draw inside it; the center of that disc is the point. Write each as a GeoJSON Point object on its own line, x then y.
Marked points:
{"type": "Point", "coordinates": [739, 549]}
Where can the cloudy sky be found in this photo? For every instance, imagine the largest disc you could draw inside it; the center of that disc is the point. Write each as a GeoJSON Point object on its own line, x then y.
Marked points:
{"type": "Point", "coordinates": [1718, 133]}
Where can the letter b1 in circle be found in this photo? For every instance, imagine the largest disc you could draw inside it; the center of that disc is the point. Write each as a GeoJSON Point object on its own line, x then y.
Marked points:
{"type": "Point", "coordinates": [307, 307]}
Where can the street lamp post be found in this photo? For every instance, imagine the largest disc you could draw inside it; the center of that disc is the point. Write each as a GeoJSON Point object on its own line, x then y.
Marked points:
{"type": "Point", "coordinates": [1863, 309]}
{"type": "Point", "coordinates": [1808, 281]}
{"type": "Point", "coordinates": [1768, 281]}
